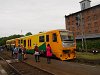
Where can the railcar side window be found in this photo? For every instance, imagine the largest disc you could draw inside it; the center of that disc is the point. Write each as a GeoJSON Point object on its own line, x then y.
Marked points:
{"type": "Point", "coordinates": [18, 41]}
{"type": "Point", "coordinates": [14, 42]}
{"type": "Point", "coordinates": [21, 41]}
{"type": "Point", "coordinates": [47, 38]}
{"type": "Point", "coordinates": [41, 38]}
{"type": "Point", "coordinates": [54, 37]}
{"type": "Point", "coordinates": [30, 42]}
{"type": "Point", "coordinates": [24, 43]}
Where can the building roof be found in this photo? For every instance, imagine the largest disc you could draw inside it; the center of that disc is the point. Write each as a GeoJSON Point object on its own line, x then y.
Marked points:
{"type": "Point", "coordinates": [88, 36]}
{"type": "Point", "coordinates": [82, 10]}
{"type": "Point", "coordinates": [84, 0]}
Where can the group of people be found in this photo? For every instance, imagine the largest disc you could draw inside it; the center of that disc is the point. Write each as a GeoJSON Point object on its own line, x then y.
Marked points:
{"type": "Point", "coordinates": [48, 53]}
{"type": "Point", "coordinates": [19, 53]}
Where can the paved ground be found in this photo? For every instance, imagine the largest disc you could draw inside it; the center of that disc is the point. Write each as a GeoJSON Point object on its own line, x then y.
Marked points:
{"type": "Point", "coordinates": [2, 71]}
{"type": "Point", "coordinates": [58, 67]}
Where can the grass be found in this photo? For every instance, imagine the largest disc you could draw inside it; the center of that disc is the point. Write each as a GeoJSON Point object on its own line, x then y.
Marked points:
{"type": "Point", "coordinates": [89, 56]}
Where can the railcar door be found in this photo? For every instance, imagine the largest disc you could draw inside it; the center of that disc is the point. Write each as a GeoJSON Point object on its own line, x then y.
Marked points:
{"type": "Point", "coordinates": [52, 39]}
{"type": "Point", "coordinates": [29, 43]}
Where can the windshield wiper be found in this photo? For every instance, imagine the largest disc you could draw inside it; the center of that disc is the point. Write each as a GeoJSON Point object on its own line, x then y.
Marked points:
{"type": "Point", "coordinates": [67, 40]}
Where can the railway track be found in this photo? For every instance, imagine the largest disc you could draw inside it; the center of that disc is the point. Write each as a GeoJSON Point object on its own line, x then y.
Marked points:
{"type": "Point", "coordinates": [8, 67]}
{"type": "Point", "coordinates": [14, 67]}
{"type": "Point", "coordinates": [57, 67]}
{"type": "Point", "coordinates": [26, 69]}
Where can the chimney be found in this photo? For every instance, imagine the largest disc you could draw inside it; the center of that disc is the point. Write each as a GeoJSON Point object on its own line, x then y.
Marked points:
{"type": "Point", "coordinates": [85, 4]}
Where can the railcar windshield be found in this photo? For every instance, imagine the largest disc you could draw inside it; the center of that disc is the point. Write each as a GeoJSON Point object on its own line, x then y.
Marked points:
{"type": "Point", "coordinates": [66, 36]}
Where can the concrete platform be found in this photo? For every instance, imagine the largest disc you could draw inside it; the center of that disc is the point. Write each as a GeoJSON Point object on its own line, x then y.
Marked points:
{"type": "Point", "coordinates": [58, 67]}
{"type": "Point", "coordinates": [2, 71]}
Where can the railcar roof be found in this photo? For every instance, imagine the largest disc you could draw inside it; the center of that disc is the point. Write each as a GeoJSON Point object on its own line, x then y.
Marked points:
{"type": "Point", "coordinates": [40, 33]}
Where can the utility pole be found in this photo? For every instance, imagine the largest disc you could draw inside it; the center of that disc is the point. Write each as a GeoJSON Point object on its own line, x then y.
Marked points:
{"type": "Point", "coordinates": [84, 45]}
{"type": "Point", "coordinates": [84, 5]}
{"type": "Point", "coordinates": [81, 22]}
{"type": "Point", "coordinates": [21, 31]}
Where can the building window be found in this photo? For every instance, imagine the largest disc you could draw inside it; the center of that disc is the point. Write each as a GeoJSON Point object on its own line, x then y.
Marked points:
{"type": "Point", "coordinates": [73, 28]}
{"type": "Point", "coordinates": [89, 18]}
{"type": "Point", "coordinates": [68, 18]}
{"type": "Point", "coordinates": [89, 28]}
{"type": "Point", "coordinates": [83, 20]}
{"type": "Point", "coordinates": [68, 23]}
{"type": "Point", "coordinates": [95, 17]}
{"type": "Point", "coordinates": [89, 25]}
{"type": "Point", "coordinates": [83, 5]}
{"type": "Point", "coordinates": [96, 31]}
{"type": "Point", "coordinates": [72, 22]}
{"type": "Point", "coordinates": [95, 24]}
{"type": "Point", "coordinates": [68, 28]}
{"type": "Point", "coordinates": [93, 10]}
{"type": "Point", "coordinates": [77, 24]}
{"type": "Point", "coordinates": [89, 31]}
{"type": "Point", "coordinates": [78, 33]}
{"type": "Point", "coordinates": [77, 18]}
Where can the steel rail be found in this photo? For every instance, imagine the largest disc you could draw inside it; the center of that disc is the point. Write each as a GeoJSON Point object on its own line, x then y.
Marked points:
{"type": "Point", "coordinates": [15, 70]}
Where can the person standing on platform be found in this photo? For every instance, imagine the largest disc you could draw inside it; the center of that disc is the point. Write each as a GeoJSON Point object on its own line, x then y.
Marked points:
{"type": "Point", "coordinates": [48, 53]}
{"type": "Point", "coordinates": [22, 49]}
{"type": "Point", "coordinates": [37, 55]}
{"type": "Point", "coordinates": [24, 53]}
{"type": "Point", "coordinates": [15, 52]}
{"type": "Point", "coordinates": [12, 51]}
{"type": "Point", "coordinates": [20, 54]}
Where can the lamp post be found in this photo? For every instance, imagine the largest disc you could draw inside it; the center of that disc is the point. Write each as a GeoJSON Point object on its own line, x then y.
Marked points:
{"type": "Point", "coordinates": [81, 21]}
{"type": "Point", "coordinates": [84, 45]}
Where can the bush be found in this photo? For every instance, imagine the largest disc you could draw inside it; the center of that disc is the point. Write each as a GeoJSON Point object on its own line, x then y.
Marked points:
{"type": "Point", "coordinates": [91, 44]}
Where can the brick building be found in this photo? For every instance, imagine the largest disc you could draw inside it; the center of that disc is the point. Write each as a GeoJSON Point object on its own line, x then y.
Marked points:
{"type": "Point", "coordinates": [84, 23]}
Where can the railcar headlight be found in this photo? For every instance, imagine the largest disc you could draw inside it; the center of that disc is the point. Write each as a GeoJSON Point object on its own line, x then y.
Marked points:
{"type": "Point", "coordinates": [74, 43]}
{"type": "Point", "coordinates": [63, 44]}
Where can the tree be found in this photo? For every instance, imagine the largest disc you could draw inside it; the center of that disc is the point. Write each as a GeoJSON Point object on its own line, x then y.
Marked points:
{"type": "Point", "coordinates": [27, 34]}
{"type": "Point", "coordinates": [4, 39]}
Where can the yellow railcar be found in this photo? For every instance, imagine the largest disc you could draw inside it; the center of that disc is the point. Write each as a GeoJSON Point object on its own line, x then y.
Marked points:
{"type": "Point", "coordinates": [62, 43]}
{"type": "Point", "coordinates": [10, 43]}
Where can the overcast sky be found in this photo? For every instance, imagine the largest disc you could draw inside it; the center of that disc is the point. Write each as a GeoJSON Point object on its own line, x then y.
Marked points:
{"type": "Point", "coordinates": [35, 15]}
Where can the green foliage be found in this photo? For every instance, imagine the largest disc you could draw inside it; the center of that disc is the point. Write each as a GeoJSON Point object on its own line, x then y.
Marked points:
{"type": "Point", "coordinates": [4, 39]}
{"type": "Point", "coordinates": [89, 56]}
{"type": "Point", "coordinates": [27, 34]}
{"type": "Point", "coordinates": [91, 44]}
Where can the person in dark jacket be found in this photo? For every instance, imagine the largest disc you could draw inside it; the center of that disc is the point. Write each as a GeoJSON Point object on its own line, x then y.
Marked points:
{"type": "Point", "coordinates": [37, 55]}
{"type": "Point", "coordinates": [20, 54]}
